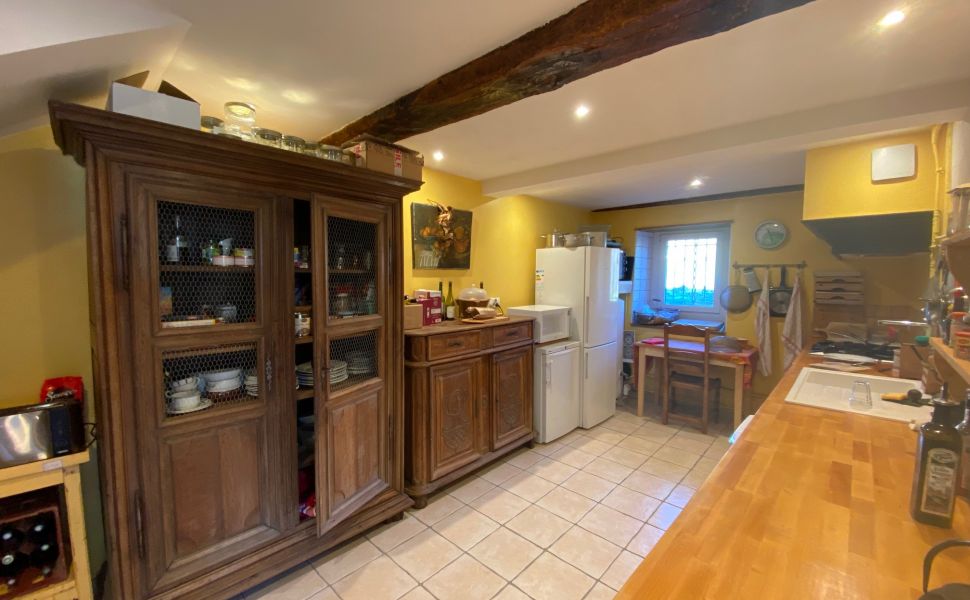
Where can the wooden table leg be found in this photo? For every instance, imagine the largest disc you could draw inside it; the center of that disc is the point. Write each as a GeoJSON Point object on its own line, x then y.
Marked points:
{"type": "Point", "coordinates": [641, 380]}
{"type": "Point", "coordinates": [738, 395]}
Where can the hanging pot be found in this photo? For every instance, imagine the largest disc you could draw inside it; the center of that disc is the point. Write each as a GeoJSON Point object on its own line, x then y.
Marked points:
{"type": "Point", "coordinates": [736, 298]}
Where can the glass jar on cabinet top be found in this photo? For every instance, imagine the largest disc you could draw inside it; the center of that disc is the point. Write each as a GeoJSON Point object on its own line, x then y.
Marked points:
{"type": "Point", "coordinates": [293, 143]}
{"type": "Point", "coordinates": [268, 137]}
{"type": "Point", "coordinates": [240, 119]}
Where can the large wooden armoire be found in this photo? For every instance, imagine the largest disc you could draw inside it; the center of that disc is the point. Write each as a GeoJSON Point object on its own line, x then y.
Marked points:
{"type": "Point", "coordinates": [209, 501]}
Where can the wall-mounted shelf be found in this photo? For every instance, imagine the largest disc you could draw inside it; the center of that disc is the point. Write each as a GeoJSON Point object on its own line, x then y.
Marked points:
{"type": "Point", "coordinates": [956, 371]}
{"type": "Point", "coordinates": [956, 248]}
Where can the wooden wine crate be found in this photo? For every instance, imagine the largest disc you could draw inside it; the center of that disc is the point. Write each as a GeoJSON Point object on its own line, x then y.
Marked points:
{"type": "Point", "coordinates": [21, 511]}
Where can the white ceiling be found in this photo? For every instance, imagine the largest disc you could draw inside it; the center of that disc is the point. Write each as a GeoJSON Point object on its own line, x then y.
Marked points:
{"type": "Point", "coordinates": [737, 109]}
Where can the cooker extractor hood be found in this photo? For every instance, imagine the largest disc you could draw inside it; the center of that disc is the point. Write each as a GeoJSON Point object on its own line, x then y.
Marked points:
{"type": "Point", "coordinates": [894, 234]}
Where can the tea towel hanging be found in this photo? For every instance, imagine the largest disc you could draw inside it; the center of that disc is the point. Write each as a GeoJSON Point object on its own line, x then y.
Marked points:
{"type": "Point", "coordinates": [762, 327]}
{"type": "Point", "coordinates": [791, 334]}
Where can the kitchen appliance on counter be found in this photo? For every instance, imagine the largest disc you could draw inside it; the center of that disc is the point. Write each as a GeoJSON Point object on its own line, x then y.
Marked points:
{"type": "Point", "coordinates": [551, 322]}
{"type": "Point", "coordinates": [881, 352]}
{"type": "Point", "coordinates": [40, 431]}
{"type": "Point", "coordinates": [586, 279]}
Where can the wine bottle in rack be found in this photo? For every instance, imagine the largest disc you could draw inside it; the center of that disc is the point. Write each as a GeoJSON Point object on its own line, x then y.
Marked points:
{"type": "Point", "coordinates": [41, 529]}
{"type": "Point", "coordinates": [10, 538]}
{"type": "Point", "coordinates": [12, 564]}
{"type": "Point", "coordinates": [44, 558]}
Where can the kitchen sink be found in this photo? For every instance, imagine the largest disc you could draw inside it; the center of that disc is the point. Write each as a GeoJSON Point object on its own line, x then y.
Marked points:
{"type": "Point", "coordinates": [831, 389]}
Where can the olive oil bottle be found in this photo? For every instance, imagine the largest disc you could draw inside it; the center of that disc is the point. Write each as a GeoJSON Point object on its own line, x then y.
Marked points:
{"type": "Point", "coordinates": [935, 481]}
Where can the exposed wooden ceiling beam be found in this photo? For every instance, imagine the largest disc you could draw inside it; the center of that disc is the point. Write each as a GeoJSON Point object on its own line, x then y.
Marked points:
{"type": "Point", "coordinates": [596, 35]}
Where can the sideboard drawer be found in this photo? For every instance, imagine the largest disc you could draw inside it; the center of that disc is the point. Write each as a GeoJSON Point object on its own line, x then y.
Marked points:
{"type": "Point", "coordinates": [510, 334]}
{"type": "Point", "coordinates": [454, 344]}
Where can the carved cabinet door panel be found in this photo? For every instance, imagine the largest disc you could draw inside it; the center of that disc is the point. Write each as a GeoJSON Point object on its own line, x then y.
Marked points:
{"type": "Point", "coordinates": [511, 393]}
{"type": "Point", "coordinates": [458, 397]}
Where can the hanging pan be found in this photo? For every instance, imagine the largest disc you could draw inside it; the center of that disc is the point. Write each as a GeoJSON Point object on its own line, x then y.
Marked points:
{"type": "Point", "coordinates": [736, 298]}
{"type": "Point", "coordinates": [779, 298]}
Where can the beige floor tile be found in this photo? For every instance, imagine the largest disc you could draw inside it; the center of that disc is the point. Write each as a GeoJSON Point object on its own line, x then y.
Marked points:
{"type": "Point", "coordinates": [688, 444]}
{"type": "Point", "coordinates": [552, 470]}
{"type": "Point", "coordinates": [505, 552]}
{"type": "Point", "coordinates": [632, 503]}
{"type": "Point", "coordinates": [499, 504]}
{"type": "Point", "coordinates": [678, 457]}
{"type": "Point", "coordinates": [528, 486]}
{"type": "Point", "coordinates": [539, 526]}
{"type": "Point", "coordinates": [621, 425]}
{"type": "Point", "coordinates": [706, 465]}
{"type": "Point", "coordinates": [664, 516]}
{"type": "Point", "coordinates": [379, 578]}
{"type": "Point", "coordinates": [611, 525]}
{"type": "Point", "coordinates": [652, 435]}
{"type": "Point", "coordinates": [572, 435]}
{"type": "Point", "coordinates": [524, 459]}
{"type": "Point", "coordinates": [392, 534]}
{"type": "Point", "coordinates": [680, 496]}
{"type": "Point", "coordinates": [345, 560]}
{"type": "Point", "coordinates": [594, 447]}
{"type": "Point", "coordinates": [694, 479]}
{"type": "Point", "coordinates": [573, 457]}
{"type": "Point", "coordinates": [550, 448]}
{"type": "Point", "coordinates": [715, 452]}
{"type": "Point", "coordinates": [627, 458]}
{"type": "Point", "coordinates": [644, 541]}
{"type": "Point", "coordinates": [696, 436]}
{"type": "Point", "coordinates": [327, 594]}
{"type": "Point", "coordinates": [587, 552]}
{"type": "Point", "coordinates": [600, 592]}
{"type": "Point", "coordinates": [550, 578]}
{"type": "Point", "coordinates": [418, 593]}
{"type": "Point", "coordinates": [648, 484]}
{"type": "Point", "coordinates": [469, 489]}
{"type": "Point", "coordinates": [424, 555]}
{"type": "Point", "coordinates": [510, 592]}
{"type": "Point", "coordinates": [297, 585]}
{"type": "Point", "coordinates": [465, 579]}
{"type": "Point", "coordinates": [621, 569]}
{"type": "Point", "coordinates": [607, 436]}
{"type": "Point", "coordinates": [589, 485]}
{"type": "Point", "coordinates": [499, 473]}
{"type": "Point", "coordinates": [608, 470]}
{"type": "Point", "coordinates": [438, 508]}
{"type": "Point", "coordinates": [566, 504]}
{"type": "Point", "coordinates": [639, 444]}
{"type": "Point", "coordinates": [466, 527]}
{"type": "Point", "coordinates": [664, 470]}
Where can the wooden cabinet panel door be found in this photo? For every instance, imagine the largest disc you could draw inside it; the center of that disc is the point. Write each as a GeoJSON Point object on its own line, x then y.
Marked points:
{"type": "Point", "coordinates": [456, 415]}
{"type": "Point", "coordinates": [353, 351]}
{"type": "Point", "coordinates": [511, 389]}
{"type": "Point", "coordinates": [207, 494]}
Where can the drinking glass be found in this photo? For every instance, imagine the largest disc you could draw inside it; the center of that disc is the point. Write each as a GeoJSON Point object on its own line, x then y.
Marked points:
{"type": "Point", "coordinates": [861, 396]}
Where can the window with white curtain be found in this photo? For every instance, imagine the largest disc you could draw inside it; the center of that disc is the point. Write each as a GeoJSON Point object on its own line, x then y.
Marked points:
{"type": "Point", "coordinates": [686, 269]}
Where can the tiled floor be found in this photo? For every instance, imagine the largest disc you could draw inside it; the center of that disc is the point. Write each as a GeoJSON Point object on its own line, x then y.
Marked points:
{"type": "Point", "coordinates": [564, 521]}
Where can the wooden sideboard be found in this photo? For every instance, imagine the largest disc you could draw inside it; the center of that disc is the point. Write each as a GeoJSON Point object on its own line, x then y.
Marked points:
{"type": "Point", "coordinates": [468, 399]}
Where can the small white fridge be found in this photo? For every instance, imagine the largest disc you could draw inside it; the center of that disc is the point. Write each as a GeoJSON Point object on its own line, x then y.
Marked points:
{"type": "Point", "coordinates": [557, 409]}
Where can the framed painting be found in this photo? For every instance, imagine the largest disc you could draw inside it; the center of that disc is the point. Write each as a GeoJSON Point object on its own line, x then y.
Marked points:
{"type": "Point", "coordinates": [440, 238]}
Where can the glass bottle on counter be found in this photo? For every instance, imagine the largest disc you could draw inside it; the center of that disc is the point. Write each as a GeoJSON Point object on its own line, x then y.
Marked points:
{"type": "Point", "coordinates": [450, 304]}
{"type": "Point", "coordinates": [937, 462]}
{"type": "Point", "coordinates": [963, 429]}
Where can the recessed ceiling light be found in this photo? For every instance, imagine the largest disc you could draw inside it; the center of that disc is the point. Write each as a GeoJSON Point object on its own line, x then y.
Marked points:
{"type": "Point", "coordinates": [298, 97]}
{"type": "Point", "coordinates": [242, 83]}
{"type": "Point", "coordinates": [581, 111]}
{"type": "Point", "coordinates": [696, 182]}
{"type": "Point", "coordinates": [893, 17]}
{"type": "Point", "coordinates": [438, 155]}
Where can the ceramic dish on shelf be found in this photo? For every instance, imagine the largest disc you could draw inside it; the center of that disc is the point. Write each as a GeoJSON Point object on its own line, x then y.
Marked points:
{"type": "Point", "coordinates": [204, 404]}
{"type": "Point", "coordinates": [220, 375]}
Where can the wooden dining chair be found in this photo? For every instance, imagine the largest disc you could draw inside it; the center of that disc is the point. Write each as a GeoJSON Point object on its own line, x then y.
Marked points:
{"type": "Point", "coordinates": [689, 371]}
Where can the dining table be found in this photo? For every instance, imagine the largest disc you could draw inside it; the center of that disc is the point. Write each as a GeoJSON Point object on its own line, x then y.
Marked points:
{"type": "Point", "coordinates": [741, 362]}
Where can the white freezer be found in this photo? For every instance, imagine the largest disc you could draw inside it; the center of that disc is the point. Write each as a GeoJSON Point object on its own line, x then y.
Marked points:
{"type": "Point", "coordinates": [557, 405]}
{"type": "Point", "coordinates": [599, 384]}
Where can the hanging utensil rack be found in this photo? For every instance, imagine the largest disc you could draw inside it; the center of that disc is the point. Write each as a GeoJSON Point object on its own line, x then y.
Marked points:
{"type": "Point", "coordinates": [800, 265]}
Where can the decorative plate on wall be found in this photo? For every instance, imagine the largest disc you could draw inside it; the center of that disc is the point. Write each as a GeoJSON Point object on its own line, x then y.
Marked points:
{"type": "Point", "coordinates": [770, 234]}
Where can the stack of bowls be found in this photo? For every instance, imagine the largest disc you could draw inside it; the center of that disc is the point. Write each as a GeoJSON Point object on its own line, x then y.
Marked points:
{"type": "Point", "coordinates": [360, 363]}
{"type": "Point", "coordinates": [338, 371]}
{"type": "Point", "coordinates": [304, 374]}
{"type": "Point", "coordinates": [251, 382]}
{"type": "Point", "coordinates": [221, 386]}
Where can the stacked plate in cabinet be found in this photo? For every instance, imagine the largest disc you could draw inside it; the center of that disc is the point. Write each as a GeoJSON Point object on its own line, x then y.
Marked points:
{"type": "Point", "coordinates": [360, 363]}
{"type": "Point", "coordinates": [338, 371]}
{"type": "Point", "coordinates": [304, 374]}
{"type": "Point", "coordinates": [251, 381]}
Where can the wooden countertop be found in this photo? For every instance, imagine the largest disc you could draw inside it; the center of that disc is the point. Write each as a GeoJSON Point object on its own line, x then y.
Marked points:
{"type": "Point", "coordinates": [809, 503]}
{"type": "Point", "coordinates": [457, 326]}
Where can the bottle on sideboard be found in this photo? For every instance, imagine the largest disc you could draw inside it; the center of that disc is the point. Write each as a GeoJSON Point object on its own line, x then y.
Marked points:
{"type": "Point", "coordinates": [963, 429]}
{"type": "Point", "coordinates": [937, 463]}
{"type": "Point", "coordinates": [450, 304]}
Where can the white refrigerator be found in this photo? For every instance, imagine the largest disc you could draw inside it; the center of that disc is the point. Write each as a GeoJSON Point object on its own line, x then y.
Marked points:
{"type": "Point", "coordinates": [586, 279]}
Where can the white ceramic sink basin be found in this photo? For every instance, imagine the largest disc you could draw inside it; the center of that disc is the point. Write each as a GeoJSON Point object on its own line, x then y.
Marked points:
{"type": "Point", "coordinates": [831, 389]}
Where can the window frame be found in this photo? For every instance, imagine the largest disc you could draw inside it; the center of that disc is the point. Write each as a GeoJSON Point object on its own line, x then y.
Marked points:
{"type": "Point", "coordinates": [658, 268]}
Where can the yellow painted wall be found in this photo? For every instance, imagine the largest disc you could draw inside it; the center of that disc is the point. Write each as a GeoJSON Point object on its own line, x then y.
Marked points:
{"type": "Point", "coordinates": [889, 281]}
{"type": "Point", "coordinates": [505, 234]}
{"type": "Point", "coordinates": [838, 179]}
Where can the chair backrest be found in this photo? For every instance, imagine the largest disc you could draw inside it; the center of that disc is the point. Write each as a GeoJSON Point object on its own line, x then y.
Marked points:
{"type": "Point", "coordinates": [692, 333]}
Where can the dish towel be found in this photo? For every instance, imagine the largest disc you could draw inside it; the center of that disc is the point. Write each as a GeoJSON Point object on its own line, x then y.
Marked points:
{"type": "Point", "coordinates": [762, 328]}
{"type": "Point", "coordinates": [791, 335]}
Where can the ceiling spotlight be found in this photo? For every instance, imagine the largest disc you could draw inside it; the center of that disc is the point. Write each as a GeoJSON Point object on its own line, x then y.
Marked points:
{"type": "Point", "coordinates": [438, 155]}
{"type": "Point", "coordinates": [893, 17]}
{"type": "Point", "coordinates": [298, 97]}
{"type": "Point", "coordinates": [581, 111]}
{"type": "Point", "coordinates": [696, 182]}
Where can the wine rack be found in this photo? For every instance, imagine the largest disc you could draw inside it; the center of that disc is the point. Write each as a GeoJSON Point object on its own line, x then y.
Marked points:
{"type": "Point", "coordinates": [34, 548]}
